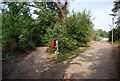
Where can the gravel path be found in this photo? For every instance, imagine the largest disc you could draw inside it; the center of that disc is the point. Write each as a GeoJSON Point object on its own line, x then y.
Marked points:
{"type": "Point", "coordinates": [95, 63]}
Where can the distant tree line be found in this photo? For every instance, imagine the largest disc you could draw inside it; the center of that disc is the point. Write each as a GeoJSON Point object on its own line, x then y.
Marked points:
{"type": "Point", "coordinates": [102, 33]}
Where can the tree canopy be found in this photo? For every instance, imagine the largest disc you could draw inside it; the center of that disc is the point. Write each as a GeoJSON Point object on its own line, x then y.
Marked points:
{"type": "Point", "coordinates": [22, 32]}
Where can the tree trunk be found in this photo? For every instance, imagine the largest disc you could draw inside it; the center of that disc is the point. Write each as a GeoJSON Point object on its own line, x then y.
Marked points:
{"type": "Point", "coordinates": [62, 10]}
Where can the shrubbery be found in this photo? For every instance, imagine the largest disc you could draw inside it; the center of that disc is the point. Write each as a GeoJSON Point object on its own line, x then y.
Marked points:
{"type": "Point", "coordinates": [116, 34]}
{"type": "Point", "coordinates": [22, 33]}
{"type": "Point", "coordinates": [76, 31]}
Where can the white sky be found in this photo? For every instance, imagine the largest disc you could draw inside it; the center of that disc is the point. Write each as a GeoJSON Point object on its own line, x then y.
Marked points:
{"type": "Point", "coordinates": [100, 10]}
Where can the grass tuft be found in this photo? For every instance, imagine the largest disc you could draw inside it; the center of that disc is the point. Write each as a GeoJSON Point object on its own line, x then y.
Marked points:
{"type": "Point", "coordinates": [69, 55]}
{"type": "Point", "coordinates": [116, 43]}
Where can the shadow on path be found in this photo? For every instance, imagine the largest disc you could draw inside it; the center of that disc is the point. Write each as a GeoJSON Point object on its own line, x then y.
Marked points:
{"type": "Point", "coordinates": [95, 63]}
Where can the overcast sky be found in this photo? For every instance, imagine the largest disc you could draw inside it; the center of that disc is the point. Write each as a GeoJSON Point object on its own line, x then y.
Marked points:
{"type": "Point", "coordinates": [99, 8]}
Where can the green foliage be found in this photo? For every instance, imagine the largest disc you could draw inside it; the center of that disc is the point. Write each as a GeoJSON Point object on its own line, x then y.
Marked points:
{"type": "Point", "coordinates": [98, 35]}
{"type": "Point", "coordinates": [16, 32]}
{"type": "Point", "coordinates": [8, 57]}
{"type": "Point", "coordinates": [102, 33]}
{"type": "Point", "coordinates": [116, 34]}
{"type": "Point", "coordinates": [47, 25]}
{"type": "Point", "coordinates": [116, 6]}
{"type": "Point", "coordinates": [68, 55]}
{"type": "Point", "coordinates": [22, 33]}
{"type": "Point", "coordinates": [76, 31]}
{"type": "Point", "coordinates": [79, 28]}
{"type": "Point", "coordinates": [116, 31]}
{"type": "Point", "coordinates": [10, 29]}
{"type": "Point", "coordinates": [67, 44]}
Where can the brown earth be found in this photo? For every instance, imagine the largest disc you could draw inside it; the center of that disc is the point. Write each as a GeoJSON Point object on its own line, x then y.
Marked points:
{"type": "Point", "coordinates": [97, 62]}
{"type": "Point", "coordinates": [116, 57]}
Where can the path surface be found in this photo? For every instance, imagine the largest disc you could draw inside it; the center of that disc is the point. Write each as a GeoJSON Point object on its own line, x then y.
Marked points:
{"type": "Point", "coordinates": [95, 63]}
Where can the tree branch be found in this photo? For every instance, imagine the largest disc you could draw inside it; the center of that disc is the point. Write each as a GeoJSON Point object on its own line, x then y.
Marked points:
{"type": "Point", "coordinates": [65, 6]}
{"type": "Point", "coordinates": [36, 7]}
{"type": "Point", "coordinates": [59, 7]}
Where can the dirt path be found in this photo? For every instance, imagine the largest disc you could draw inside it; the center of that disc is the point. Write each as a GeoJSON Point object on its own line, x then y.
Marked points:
{"type": "Point", "coordinates": [95, 63]}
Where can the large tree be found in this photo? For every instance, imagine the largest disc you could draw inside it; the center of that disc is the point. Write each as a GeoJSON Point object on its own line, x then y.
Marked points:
{"type": "Point", "coordinates": [116, 10]}
{"type": "Point", "coordinates": [60, 7]}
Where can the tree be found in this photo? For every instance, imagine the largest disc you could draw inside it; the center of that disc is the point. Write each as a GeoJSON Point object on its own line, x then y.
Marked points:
{"type": "Point", "coordinates": [10, 26]}
{"type": "Point", "coordinates": [102, 33]}
{"type": "Point", "coordinates": [79, 27]}
{"type": "Point", "coordinates": [21, 32]}
{"type": "Point", "coordinates": [116, 9]}
{"type": "Point", "coordinates": [16, 32]}
{"type": "Point", "coordinates": [59, 7]}
{"type": "Point", "coordinates": [62, 9]}
{"type": "Point", "coordinates": [116, 30]}
{"type": "Point", "coordinates": [116, 34]}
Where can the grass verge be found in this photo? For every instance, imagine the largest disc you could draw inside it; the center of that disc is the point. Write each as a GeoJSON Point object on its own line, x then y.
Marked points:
{"type": "Point", "coordinates": [72, 54]}
{"type": "Point", "coordinates": [97, 40]}
{"type": "Point", "coordinates": [116, 43]}
{"type": "Point", "coordinates": [69, 55]}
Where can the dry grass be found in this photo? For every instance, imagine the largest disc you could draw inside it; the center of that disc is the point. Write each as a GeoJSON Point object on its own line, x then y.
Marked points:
{"type": "Point", "coordinates": [116, 44]}
{"type": "Point", "coordinates": [69, 55]}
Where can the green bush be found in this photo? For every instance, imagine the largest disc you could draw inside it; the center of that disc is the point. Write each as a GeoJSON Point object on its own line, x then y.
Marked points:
{"type": "Point", "coordinates": [79, 27]}
{"type": "Point", "coordinates": [116, 34]}
{"type": "Point", "coordinates": [76, 31]}
{"type": "Point", "coordinates": [21, 32]}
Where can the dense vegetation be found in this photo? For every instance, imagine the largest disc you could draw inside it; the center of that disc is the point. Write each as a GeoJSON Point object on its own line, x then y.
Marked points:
{"type": "Point", "coordinates": [102, 33]}
{"type": "Point", "coordinates": [116, 30]}
{"type": "Point", "coordinates": [116, 34]}
{"type": "Point", "coordinates": [76, 31]}
{"type": "Point", "coordinates": [21, 32]}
